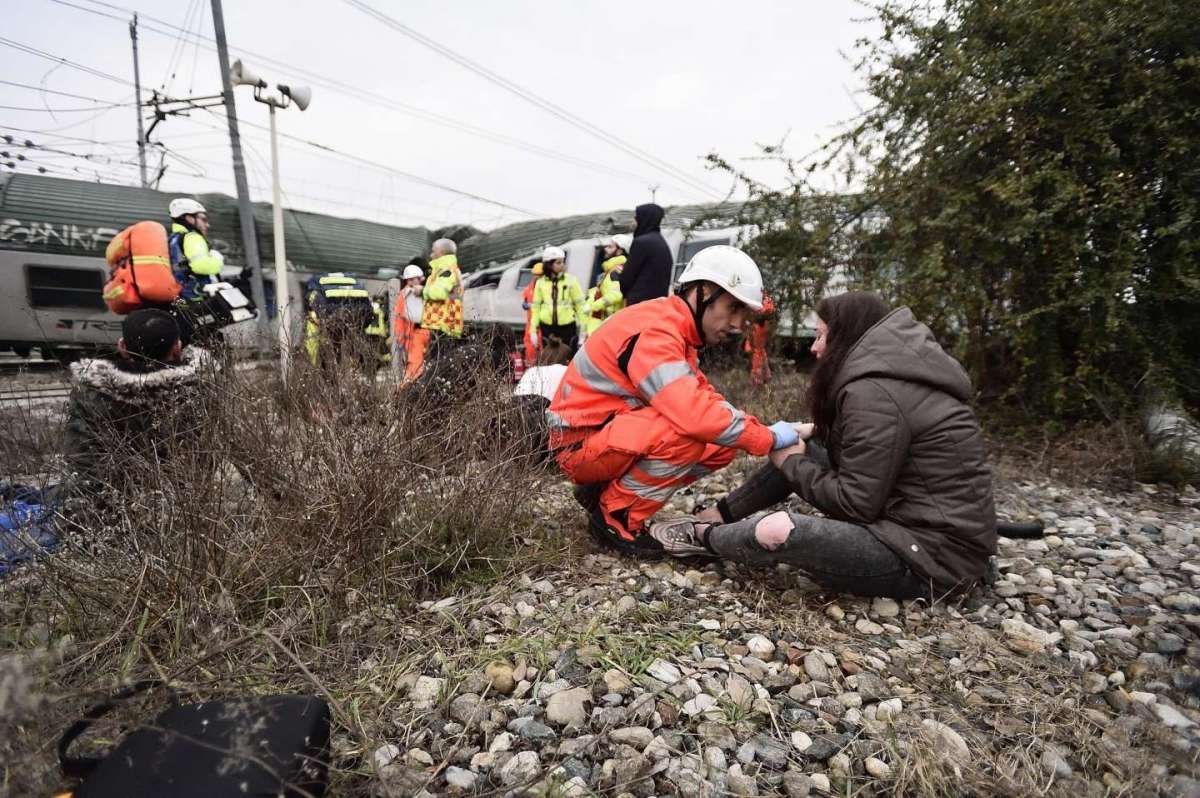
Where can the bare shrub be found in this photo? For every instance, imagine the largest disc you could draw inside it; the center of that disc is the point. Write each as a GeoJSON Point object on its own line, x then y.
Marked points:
{"type": "Point", "coordinates": [271, 543]}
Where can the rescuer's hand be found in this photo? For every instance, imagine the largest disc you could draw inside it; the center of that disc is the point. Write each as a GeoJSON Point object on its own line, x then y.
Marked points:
{"type": "Point", "coordinates": [805, 430]}
{"type": "Point", "coordinates": [533, 338]}
{"type": "Point", "coordinates": [785, 434]}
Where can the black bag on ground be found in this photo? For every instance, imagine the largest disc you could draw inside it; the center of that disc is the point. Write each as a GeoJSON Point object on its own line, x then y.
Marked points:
{"type": "Point", "coordinates": [262, 746]}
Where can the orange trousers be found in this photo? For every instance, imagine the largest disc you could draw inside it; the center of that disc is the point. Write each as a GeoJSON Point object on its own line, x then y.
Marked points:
{"type": "Point", "coordinates": [643, 459]}
{"type": "Point", "coordinates": [531, 351]}
{"type": "Point", "coordinates": [415, 340]}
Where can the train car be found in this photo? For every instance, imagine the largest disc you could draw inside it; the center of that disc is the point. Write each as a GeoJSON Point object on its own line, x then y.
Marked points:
{"type": "Point", "coordinates": [53, 233]}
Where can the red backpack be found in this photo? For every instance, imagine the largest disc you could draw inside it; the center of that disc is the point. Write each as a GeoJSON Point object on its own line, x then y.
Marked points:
{"type": "Point", "coordinates": [140, 269]}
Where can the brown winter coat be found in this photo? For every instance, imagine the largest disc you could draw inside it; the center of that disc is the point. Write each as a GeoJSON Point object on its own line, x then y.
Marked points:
{"type": "Point", "coordinates": [907, 455]}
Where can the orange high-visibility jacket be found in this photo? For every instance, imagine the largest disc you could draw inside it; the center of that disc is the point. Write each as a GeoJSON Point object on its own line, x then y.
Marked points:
{"type": "Point", "coordinates": [644, 355]}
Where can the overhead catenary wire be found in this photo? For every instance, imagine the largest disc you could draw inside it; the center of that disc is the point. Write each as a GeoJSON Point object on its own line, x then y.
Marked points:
{"type": "Point", "coordinates": [44, 90]}
{"type": "Point", "coordinates": [556, 110]}
{"type": "Point", "coordinates": [147, 22]}
{"type": "Point", "coordinates": [394, 170]}
{"type": "Point", "coordinates": [25, 48]}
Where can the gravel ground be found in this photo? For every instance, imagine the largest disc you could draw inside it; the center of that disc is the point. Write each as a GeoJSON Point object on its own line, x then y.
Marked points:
{"type": "Point", "coordinates": [1076, 673]}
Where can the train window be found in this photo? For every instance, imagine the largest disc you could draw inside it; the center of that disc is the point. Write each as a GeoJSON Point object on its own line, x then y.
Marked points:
{"type": "Point", "coordinates": [525, 276]}
{"type": "Point", "coordinates": [688, 251]}
{"type": "Point", "coordinates": [56, 287]}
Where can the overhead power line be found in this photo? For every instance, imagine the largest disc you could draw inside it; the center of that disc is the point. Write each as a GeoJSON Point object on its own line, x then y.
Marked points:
{"type": "Point", "coordinates": [25, 48]}
{"type": "Point", "coordinates": [63, 110]}
{"type": "Point", "coordinates": [59, 93]}
{"type": "Point", "coordinates": [149, 23]}
{"type": "Point", "coordinates": [393, 170]}
{"type": "Point", "coordinates": [527, 95]}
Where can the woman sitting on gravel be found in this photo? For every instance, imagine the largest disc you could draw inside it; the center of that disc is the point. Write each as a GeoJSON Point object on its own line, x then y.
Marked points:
{"type": "Point", "coordinates": [901, 476]}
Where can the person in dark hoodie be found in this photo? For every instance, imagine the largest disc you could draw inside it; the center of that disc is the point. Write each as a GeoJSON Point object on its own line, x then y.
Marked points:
{"type": "Point", "coordinates": [647, 271]}
{"type": "Point", "coordinates": [901, 478]}
{"type": "Point", "coordinates": [127, 413]}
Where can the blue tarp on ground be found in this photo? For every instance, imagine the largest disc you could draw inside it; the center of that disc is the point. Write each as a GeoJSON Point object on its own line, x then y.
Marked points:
{"type": "Point", "coordinates": [27, 527]}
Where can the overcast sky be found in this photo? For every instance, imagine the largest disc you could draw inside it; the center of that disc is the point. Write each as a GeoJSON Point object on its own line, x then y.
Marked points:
{"type": "Point", "coordinates": [675, 79]}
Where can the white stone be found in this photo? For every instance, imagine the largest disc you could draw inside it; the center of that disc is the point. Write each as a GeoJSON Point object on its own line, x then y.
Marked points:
{"type": "Point", "coordinates": [521, 769]}
{"type": "Point", "coordinates": [709, 624]}
{"type": "Point", "coordinates": [889, 709]}
{"type": "Point", "coordinates": [384, 755]}
{"type": "Point", "coordinates": [566, 708]}
{"type": "Point", "coordinates": [700, 704]}
{"type": "Point", "coordinates": [664, 671]}
{"type": "Point", "coordinates": [502, 742]}
{"type": "Point", "coordinates": [885, 607]}
{"type": "Point", "coordinates": [425, 693]}
{"type": "Point", "coordinates": [950, 741]}
{"type": "Point", "coordinates": [820, 781]}
{"type": "Point", "coordinates": [1172, 717]}
{"type": "Point", "coordinates": [761, 647]}
{"type": "Point", "coordinates": [867, 627]}
{"type": "Point", "coordinates": [1020, 630]}
{"type": "Point", "coordinates": [462, 779]}
{"type": "Point", "coordinates": [878, 768]}
{"type": "Point", "coordinates": [801, 741]}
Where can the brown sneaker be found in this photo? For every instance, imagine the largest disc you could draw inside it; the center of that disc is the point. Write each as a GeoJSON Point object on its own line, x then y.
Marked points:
{"type": "Point", "coordinates": [678, 537]}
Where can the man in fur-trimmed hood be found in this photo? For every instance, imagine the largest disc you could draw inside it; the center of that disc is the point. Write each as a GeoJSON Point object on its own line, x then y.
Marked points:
{"type": "Point", "coordinates": [127, 414]}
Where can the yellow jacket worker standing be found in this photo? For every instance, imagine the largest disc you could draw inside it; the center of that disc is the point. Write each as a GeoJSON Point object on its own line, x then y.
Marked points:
{"type": "Point", "coordinates": [443, 292]}
{"type": "Point", "coordinates": [605, 299]}
{"type": "Point", "coordinates": [557, 301]}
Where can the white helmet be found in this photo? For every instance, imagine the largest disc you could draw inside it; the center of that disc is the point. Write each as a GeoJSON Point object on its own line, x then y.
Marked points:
{"type": "Point", "coordinates": [551, 254]}
{"type": "Point", "coordinates": [731, 269]}
{"type": "Point", "coordinates": [410, 271]}
{"type": "Point", "coordinates": [624, 241]}
{"type": "Point", "coordinates": [183, 206]}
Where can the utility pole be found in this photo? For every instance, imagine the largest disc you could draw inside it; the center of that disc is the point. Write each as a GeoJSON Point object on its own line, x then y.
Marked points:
{"type": "Point", "coordinates": [654, 192]}
{"type": "Point", "coordinates": [245, 211]}
{"type": "Point", "coordinates": [137, 104]}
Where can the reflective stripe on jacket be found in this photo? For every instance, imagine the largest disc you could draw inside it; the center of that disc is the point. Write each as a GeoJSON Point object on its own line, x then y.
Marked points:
{"type": "Point", "coordinates": [557, 300]}
{"type": "Point", "coordinates": [647, 355]}
{"type": "Point", "coordinates": [443, 294]}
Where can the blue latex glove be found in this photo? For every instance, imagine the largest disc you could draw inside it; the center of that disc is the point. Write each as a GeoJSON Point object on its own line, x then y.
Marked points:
{"type": "Point", "coordinates": [785, 434]}
{"type": "Point", "coordinates": [524, 306]}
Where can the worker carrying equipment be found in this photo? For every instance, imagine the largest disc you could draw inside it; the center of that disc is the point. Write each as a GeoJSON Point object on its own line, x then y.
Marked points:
{"type": "Point", "coordinates": [557, 300]}
{"type": "Point", "coordinates": [634, 419]}
{"type": "Point", "coordinates": [605, 299]}
{"type": "Point", "coordinates": [531, 349]}
{"type": "Point", "coordinates": [193, 262]}
{"type": "Point", "coordinates": [340, 311]}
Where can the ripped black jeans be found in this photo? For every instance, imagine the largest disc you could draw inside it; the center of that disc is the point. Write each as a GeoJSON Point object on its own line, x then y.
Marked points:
{"type": "Point", "coordinates": [837, 555]}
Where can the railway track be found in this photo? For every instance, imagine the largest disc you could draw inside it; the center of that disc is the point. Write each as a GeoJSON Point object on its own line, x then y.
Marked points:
{"type": "Point", "coordinates": [35, 393]}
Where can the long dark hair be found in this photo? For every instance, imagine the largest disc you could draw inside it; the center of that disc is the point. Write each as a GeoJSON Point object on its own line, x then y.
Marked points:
{"type": "Point", "coordinates": [848, 317]}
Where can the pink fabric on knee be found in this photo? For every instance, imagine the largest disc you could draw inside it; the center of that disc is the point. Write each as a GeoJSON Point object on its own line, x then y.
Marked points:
{"type": "Point", "coordinates": [772, 531]}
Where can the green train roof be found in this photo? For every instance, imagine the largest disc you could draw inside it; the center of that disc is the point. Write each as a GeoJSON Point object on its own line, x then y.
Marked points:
{"type": "Point", "coordinates": [77, 217]}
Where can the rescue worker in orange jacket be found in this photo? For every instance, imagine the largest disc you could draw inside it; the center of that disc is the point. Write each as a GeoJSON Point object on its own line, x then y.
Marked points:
{"type": "Point", "coordinates": [412, 338]}
{"type": "Point", "coordinates": [531, 347]}
{"type": "Point", "coordinates": [634, 419]}
{"type": "Point", "coordinates": [757, 338]}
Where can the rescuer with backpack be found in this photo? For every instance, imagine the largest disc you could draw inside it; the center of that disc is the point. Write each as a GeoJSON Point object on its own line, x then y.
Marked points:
{"type": "Point", "coordinates": [340, 314]}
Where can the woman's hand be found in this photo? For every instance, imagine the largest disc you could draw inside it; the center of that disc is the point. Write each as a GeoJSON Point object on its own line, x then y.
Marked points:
{"type": "Point", "coordinates": [779, 456]}
{"type": "Point", "coordinates": [805, 430]}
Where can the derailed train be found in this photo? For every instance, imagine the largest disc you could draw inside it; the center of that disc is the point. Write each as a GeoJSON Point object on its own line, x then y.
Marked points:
{"type": "Point", "coordinates": [53, 233]}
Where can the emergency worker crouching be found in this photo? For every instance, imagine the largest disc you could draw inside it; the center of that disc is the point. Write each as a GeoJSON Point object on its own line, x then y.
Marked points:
{"type": "Point", "coordinates": [606, 299]}
{"type": "Point", "coordinates": [557, 301]}
{"type": "Point", "coordinates": [635, 419]}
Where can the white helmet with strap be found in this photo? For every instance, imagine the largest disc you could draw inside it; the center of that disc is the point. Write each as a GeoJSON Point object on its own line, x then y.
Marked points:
{"type": "Point", "coordinates": [410, 271]}
{"type": "Point", "coordinates": [624, 241]}
{"type": "Point", "coordinates": [731, 270]}
{"type": "Point", "coordinates": [184, 206]}
{"type": "Point", "coordinates": [551, 254]}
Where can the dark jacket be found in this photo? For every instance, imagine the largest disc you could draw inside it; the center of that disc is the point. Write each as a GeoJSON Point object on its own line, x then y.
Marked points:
{"type": "Point", "coordinates": [907, 455]}
{"type": "Point", "coordinates": [122, 418]}
{"type": "Point", "coordinates": [647, 271]}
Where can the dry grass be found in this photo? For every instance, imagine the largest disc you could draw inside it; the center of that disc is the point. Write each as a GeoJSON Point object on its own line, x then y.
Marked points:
{"type": "Point", "coordinates": [278, 541]}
